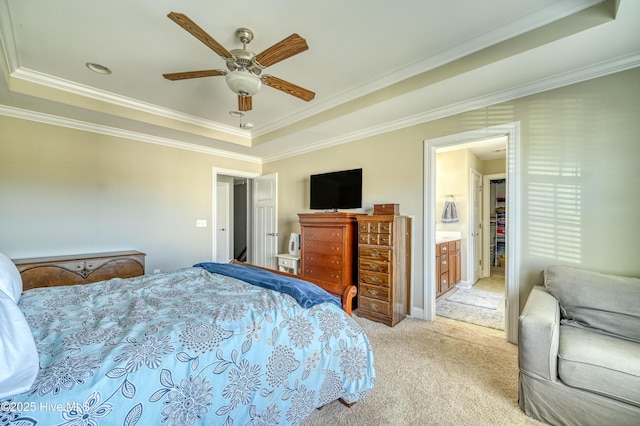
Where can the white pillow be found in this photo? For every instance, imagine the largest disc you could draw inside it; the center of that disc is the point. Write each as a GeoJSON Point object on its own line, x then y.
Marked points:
{"type": "Point", "coordinates": [19, 362]}
{"type": "Point", "coordinates": [10, 279]}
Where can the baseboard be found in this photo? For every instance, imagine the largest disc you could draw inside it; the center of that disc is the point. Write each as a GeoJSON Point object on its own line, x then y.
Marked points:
{"type": "Point", "coordinates": [417, 313]}
{"type": "Point", "coordinates": [463, 284]}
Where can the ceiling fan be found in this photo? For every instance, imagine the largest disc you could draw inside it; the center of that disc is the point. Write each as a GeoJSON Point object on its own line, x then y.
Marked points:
{"type": "Point", "coordinates": [245, 67]}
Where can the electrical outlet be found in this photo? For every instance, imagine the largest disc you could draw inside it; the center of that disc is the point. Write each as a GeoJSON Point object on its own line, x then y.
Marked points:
{"type": "Point", "coordinates": [201, 223]}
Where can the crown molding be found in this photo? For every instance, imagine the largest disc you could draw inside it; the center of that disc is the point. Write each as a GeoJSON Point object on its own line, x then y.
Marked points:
{"type": "Point", "coordinates": [576, 76]}
{"type": "Point", "coordinates": [120, 133]}
{"type": "Point", "coordinates": [36, 77]}
{"type": "Point", "coordinates": [531, 88]}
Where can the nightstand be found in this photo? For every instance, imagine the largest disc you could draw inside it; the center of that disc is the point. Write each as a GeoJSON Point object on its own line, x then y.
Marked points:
{"type": "Point", "coordinates": [288, 263]}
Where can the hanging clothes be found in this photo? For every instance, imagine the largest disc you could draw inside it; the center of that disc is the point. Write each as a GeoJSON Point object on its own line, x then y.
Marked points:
{"type": "Point", "coordinates": [450, 212]}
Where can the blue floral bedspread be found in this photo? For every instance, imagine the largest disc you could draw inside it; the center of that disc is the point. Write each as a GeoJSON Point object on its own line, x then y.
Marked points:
{"type": "Point", "coordinates": [186, 348]}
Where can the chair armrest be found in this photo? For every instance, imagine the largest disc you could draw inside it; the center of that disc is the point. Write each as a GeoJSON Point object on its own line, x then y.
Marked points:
{"type": "Point", "coordinates": [539, 328]}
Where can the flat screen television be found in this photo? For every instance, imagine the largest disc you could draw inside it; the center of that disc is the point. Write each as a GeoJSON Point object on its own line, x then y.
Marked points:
{"type": "Point", "coordinates": [336, 190]}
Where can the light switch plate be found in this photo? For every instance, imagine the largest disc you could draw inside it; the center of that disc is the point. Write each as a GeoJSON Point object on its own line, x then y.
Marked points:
{"type": "Point", "coordinates": [201, 223]}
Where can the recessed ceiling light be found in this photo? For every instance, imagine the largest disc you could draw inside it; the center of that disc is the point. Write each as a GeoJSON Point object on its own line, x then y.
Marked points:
{"type": "Point", "coordinates": [100, 69]}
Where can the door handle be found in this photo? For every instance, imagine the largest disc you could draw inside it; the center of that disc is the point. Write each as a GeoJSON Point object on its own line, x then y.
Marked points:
{"type": "Point", "coordinates": [272, 234]}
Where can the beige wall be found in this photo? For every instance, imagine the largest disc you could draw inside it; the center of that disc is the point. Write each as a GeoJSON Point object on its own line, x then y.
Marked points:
{"type": "Point", "coordinates": [578, 176]}
{"type": "Point", "coordinates": [493, 167]}
{"type": "Point", "coordinates": [65, 191]}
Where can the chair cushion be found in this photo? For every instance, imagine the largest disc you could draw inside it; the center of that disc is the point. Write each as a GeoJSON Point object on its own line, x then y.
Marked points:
{"type": "Point", "coordinates": [608, 303]}
{"type": "Point", "coordinates": [599, 363]}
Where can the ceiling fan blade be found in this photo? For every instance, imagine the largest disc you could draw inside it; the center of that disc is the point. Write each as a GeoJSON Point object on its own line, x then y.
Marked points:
{"type": "Point", "coordinates": [193, 74]}
{"type": "Point", "coordinates": [244, 103]}
{"type": "Point", "coordinates": [199, 33]}
{"type": "Point", "coordinates": [282, 50]}
{"type": "Point", "coordinates": [290, 88]}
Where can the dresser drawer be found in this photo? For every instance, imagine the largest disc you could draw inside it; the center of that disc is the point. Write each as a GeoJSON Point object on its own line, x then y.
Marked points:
{"type": "Point", "coordinates": [443, 282]}
{"type": "Point", "coordinates": [374, 291]}
{"type": "Point", "coordinates": [326, 247]}
{"type": "Point", "coordinates": [374, 227]}
{"type": "Point", "coordinates": [375, 254]}
{"type": "Point", "coordinates": [374, 278]}
{"type": "Point", "coordinates": [323, 260]}
{"type": "Point", "coordinates": [375, 239]}
{"type": "Point", "coordinates": [375, 305]}
{"type": "Point", "coordinates": [442, 248]}
{"type": "Point", "coordinates": [325, 274]}
{"type": "Point", "coordinates": [374, 266]}
{"type": "Point", "coordinates": [311, 233]}
{"type": "Point", "coordinates": [444, 263]}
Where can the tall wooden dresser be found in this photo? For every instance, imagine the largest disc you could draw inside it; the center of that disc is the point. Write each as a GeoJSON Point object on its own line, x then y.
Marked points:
{"type": "Point", "coordinates": [328, 246]}
{"type": "Point", "coordinates": [384, 262]}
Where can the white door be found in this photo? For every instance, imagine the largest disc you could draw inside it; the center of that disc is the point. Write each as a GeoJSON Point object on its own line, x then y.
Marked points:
{"type": "Point", "coordinates": [223, 239]}
{"type": "Point", "coordinates": [265, 220]}
{"type": "Point", "coordinates": [475, 225]}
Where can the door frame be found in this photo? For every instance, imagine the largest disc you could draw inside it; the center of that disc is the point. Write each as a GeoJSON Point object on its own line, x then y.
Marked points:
{"type": "Point", "coordinates": [486, 212]}
{"type": "Point", "coordinates": [474, 255]}
{"type": "Point", "coordinates": [215, 171]}
{"type": "Point", "coordinates": [228, 210]}
{"type": "Point", "coordinates": [512, 288]}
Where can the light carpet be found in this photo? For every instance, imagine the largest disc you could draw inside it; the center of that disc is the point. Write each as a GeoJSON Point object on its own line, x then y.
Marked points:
{"type": "Point", "coordinates": [435, 373]}
{"type": "Point", "coordinates": [478, 307]}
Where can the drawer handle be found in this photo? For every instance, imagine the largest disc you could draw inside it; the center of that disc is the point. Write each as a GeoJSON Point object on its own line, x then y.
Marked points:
{"type": "Point", "coordinates": [373, 266]}
{"type": "Point", "coordinates": [375, 254]}
{"type": "Point", "coordinates": [444, 262]}
{"type": "Point", "coordinates": [309, 234]}
{"type": "Point", "coordinates": [373, 306]}
{"type": "Point", "coordinates": [375, 279]}
{"type": "Point", "coordinates": [444, 282]}
{"type": "Point", "coordinates": [373, 292]}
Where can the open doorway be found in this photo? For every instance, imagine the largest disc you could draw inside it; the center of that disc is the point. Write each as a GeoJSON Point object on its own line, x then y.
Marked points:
{"type": "Point", "coordinates": [232, 218]}
{"type": "Point", "coordinates": [475, 297]}
{"type": "Point", "coordinates": [244, 218]}
{"type": "Point", "coordinates": [512, 132]}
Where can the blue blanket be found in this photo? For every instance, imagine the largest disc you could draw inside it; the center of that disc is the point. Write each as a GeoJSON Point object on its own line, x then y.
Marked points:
{"type": "Point", "coordinates": [305, 293]}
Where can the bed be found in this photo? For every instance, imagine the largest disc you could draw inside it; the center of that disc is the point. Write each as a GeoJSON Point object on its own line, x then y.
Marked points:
{"type": "Point", "coordinates": [189, 347]}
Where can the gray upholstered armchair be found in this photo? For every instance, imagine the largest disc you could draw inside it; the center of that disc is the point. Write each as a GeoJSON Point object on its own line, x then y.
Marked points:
{"type": "Point", "coordinates": [579, 349]}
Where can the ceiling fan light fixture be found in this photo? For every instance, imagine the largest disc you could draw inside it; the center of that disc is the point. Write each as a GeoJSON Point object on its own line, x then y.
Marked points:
{"type": "Point", "coordinates": [243, 82]}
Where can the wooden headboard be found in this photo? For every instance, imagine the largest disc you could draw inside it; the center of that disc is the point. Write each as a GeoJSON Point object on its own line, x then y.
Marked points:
{"type": "Point", "coordinates": [346, 292]}
{"type": "Point", "coordinates": [79, 268]}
